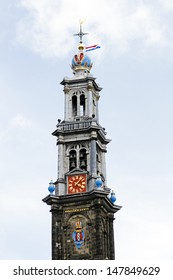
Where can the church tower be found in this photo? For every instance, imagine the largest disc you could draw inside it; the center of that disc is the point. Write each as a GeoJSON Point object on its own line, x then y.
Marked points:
{"type": "Point", "coordinates": [82, 205]}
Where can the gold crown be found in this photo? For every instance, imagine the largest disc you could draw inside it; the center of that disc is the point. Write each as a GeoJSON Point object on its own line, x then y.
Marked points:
{"type": "Point", "coordinates": [81, 47]}
{"type": "Point", "coordinates": [78, 225]}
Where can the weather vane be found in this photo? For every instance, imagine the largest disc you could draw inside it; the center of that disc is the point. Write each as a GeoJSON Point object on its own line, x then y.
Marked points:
{"type": "Point", "coordinates": [81, 33]}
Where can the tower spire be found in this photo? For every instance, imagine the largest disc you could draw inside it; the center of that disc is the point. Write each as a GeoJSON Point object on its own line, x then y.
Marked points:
{"type": "Point", "coordinates": [81, 206]}
{"type": "Point", "coordinates": [81, 33]}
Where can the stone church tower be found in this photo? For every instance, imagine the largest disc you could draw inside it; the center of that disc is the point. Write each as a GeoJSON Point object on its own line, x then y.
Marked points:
{"type": "Point", "coordinates": [82, 206]}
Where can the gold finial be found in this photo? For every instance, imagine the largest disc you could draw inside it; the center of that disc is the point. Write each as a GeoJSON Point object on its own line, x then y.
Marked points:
{"type": "Point", "coordinates": [81, 21]}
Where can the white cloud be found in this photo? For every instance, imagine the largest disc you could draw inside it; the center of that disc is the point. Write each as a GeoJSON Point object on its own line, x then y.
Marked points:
{"type": "Point", "coordinates": [145, 243]}
{"type": "Point", "coordinates": [48, 26]}
{"type": "Point", "coordinates": [167, 5]}
{"type": "Point", "coordinates": [20, 121]}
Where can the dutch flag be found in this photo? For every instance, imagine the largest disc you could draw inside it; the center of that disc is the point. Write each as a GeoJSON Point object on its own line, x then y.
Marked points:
{"type": "Point", "coordinates": [91, 48]}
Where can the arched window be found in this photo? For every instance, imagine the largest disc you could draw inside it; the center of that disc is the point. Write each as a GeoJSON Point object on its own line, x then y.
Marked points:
{"type": "Point", "coordinates": [83, 159]}
{"type": "Point", "coordinates": [72, 160]}
{"type": "Point", "coordinates": [74, 105]}
{"type": "Point", "coordinates": [82, 105]}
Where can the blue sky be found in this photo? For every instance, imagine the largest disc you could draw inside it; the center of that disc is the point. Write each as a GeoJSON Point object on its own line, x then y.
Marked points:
{"type": "Point", "coordinates": [134, 67]}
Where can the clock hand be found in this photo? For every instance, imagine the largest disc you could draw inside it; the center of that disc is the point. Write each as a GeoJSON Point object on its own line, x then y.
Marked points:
{"type": "Point", "coordinates": [78, 182]}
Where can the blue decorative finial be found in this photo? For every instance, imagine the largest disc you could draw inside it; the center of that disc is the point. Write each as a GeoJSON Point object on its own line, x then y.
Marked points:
{"type": "Point", "coordinates": [51, 187]}
{"type": "Point", "coordinates": [98, 182]}
{"type": "Point", "coordinates": [113, 197]}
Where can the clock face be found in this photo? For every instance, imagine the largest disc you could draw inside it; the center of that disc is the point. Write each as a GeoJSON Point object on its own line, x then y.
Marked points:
{"type": "Point", "coordinates": [76, 183]}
